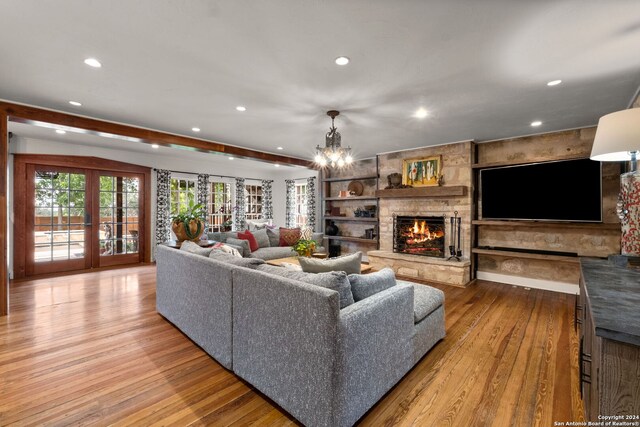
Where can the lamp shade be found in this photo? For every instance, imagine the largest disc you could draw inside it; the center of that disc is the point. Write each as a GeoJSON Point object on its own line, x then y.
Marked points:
{"type": "Point", "coordinates": [616, 136]}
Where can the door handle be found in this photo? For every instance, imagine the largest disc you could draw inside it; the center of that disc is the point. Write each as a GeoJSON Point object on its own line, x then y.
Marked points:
{"type": "Point", "coordinates": [87, 219]}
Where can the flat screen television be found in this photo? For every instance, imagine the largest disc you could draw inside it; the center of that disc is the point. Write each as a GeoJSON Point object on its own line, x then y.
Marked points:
{"type": "Point", "coordinates": [564, 190]}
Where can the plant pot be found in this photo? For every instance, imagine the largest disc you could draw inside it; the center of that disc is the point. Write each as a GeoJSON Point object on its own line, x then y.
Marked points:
{"type": "Point", "coordinates": [196, 228]}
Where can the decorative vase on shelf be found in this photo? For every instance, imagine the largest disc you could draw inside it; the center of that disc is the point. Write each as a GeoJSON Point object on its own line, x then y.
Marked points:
{"type": "Point", "coordinates": [332, 229]}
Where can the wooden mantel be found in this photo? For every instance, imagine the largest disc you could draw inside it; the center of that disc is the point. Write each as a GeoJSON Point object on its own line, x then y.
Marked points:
{"type": "Point", "coordinates": [444, 191]}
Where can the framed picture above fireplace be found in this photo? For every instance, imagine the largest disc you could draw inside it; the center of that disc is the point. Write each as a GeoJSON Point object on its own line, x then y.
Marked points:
{"type": "Point", "coordinates": [422, 172]}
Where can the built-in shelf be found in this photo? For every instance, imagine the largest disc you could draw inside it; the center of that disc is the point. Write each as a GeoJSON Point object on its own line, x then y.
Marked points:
{"type": "Point", "coordinates": [547, 224]}
{"type": "Point", "coordinates": [346, 199]}
{"type": "Point", "coordinates": [435, 191]}
{"type": "Point", "coordinates": [528, 255]}
{"type": "Point", "coordinates": [351, 218]}
{"type": "Point", "coordinates": [353, 239]}
{"type": "Point", "coordinates": [357, 178]}
{"type": "Point", "coordinates": [526, 162]}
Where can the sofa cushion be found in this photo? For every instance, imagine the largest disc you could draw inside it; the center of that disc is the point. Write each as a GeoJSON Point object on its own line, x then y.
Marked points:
{"type": "Point", "coordinates": [426, 300]}
{"type": "Point", "coordinates": [350, 264]}
{"type": "Point", "coordinates": [257, 224]}
{"type": "Point", "coordinates": [262, 238]}
{"type": "Point", "coordinates": [223, 247]}
{"type": "Point", "coordinates": [248, 236]}
{"type": "Point", "coordinates": [306, 232]}
{"type": "Point", "coordinates": [274, 237]}
{"type": "Point", "coordinates": [222, 236]}
{"type": "Point", "coordinates": [365, 285]}
{"type": "Point", "coordinates": [336, 280]}
{"type": "Point", "coordinates": [244, 244]}
{"type": "Point", "coordinates": [233, 260]}
{"type": "Point", "coordinates": [273, 253]}
{"type": "Point", "coordinates": [194, 248]}
{"type": "Point", "coordinates": [289, 236]}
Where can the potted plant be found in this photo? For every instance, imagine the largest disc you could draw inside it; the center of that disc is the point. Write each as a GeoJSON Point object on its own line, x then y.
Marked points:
{"type": "Point", "coordinates": [189, 223]}
{"type": "Point", "coordinates": [305, 247]}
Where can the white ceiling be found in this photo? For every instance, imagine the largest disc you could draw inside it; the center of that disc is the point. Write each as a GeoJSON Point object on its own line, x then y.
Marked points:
{"type": "Point", "coordinates": [479, 67]}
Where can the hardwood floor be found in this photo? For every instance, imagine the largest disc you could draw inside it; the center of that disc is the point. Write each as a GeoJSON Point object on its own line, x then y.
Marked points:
{"type": "Point", "coordinates": [90, 349]}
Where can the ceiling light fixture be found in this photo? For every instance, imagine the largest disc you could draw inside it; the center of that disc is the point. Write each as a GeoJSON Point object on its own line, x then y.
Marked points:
{"type": "Point", "coordinates": [231, 158]}
{"type": "Point", "coordinates": [155, 146]}
{"type": "Point", "coordinates": [60, 131]}
{"type": "Point", "coordinates": [554, 82]}
{"type": "Point", "coordinates": [195, 129]}
{"type": "Point", "coordinates": [342, 60]}
{"type": "Point", "coordinates": [333, 154]}
{"type": "Point", "coordinates": [279, 148]}
{"type": "Point", "coordinates": [277, 165]}
{"type": "Point", "coordinates": [241, 108]}
{"type": "Point", "coordinates": [536, 123]}
{"type": "Point", "coordinates": [75, 103]}
{"type": "Point", "coordinates": [92, 62]}
{"type": "Point", "coordinates": [421, 113]}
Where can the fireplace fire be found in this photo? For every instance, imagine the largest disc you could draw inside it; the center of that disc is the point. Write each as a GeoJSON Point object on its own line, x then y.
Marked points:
{"type": "Point", "coordinates": [419, 235]}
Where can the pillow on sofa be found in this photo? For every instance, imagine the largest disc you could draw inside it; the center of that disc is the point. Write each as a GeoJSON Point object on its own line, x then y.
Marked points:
{"type": "Point", "coordinates": [306, 232]}
{"type": "Point", "coordinates": [194, 248]}
{"type": "Point", "coordinates": [274, 237]}
{"type": "Point", "coordinates": [233, 260]}
{"type": "Point", "coordinates": [336, 280]}
{"type": "Point", "coordinates": [365, 285]}
{"type": "Point", "coordinates": [223, 247]}
{"type": "Point", "coordinates": [222, 236]}
{"type": "Point", "coordinates": [350, 264]}
{"type": "Point", "coordinates": [244, 244]}
{"type": "Point", "coordinates": [262, 238]}
{"type": "Point", "coordinates": [289, 236]}
{"type": "Point", "coordinates": [247, 235]}
{"type": "Point", "coordinates": [257, 224]}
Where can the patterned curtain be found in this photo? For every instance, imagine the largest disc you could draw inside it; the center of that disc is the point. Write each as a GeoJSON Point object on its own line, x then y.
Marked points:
{"type": "Point", "coordinates": [163, 213]}
{"type": "Point", "coordinates": [290, 221]}
{"type": "Point", "coordinates": [267, 201]}
{"type": "Point", "coordinates": [240, 207]}
{"type": "Point", "coordinates": [203, 196]}
{"type": "Point", "coordinates": [311, 202]}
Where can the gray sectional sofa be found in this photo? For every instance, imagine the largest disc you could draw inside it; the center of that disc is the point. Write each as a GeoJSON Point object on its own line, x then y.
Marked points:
{"type": "Point", "coordinates": [269, 248]}
{"type": "Point", "coordinates": [325, 365]}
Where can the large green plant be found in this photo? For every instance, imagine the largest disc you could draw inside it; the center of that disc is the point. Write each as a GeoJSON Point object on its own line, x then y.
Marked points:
{"type": "Point", "coordinates": [192, 212]}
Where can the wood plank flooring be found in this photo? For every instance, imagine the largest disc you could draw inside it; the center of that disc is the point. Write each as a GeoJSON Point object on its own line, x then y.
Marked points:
{"type": "Point", "coordinates": [90, 349]}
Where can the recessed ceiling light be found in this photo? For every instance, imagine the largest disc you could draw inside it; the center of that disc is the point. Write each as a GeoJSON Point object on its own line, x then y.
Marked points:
{"type": "Point", "coordinates": [421, 113]}
{"type": "Point", "coordinates": [231, 158]}
{"type": "Point", "coordinates": [554, 82]}
{"type": "Point", "coordinates": [536, 123]}
{"type": "Point", "coordinates": [277, 165]}
{"type": "Point", "coordinates": [60, 131]}
{"type": "Point", "coordinates": [75, 103]}
{"type": "Point", "coordinates": [92, 62]}
{"type": "Point", "coordinates": [195, 129]}
{"type": "Point", "coordinates": [241, 108]}
{"type": "Point", "coordinates": [155, 146]}
{"type": "Point", "coordinates": [342, 60]}
{"type": "Point", "coordinates": [279, 148]}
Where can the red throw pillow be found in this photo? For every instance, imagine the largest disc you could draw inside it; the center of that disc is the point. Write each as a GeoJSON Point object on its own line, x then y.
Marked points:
{"type": "Point", "coordinates": [247, 235]}
{"type": "Point", "coordinates": [289, 236]}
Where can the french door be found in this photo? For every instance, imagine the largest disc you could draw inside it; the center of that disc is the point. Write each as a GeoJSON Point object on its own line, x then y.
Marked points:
{"type": "Point", "coordinates": [76, 218]}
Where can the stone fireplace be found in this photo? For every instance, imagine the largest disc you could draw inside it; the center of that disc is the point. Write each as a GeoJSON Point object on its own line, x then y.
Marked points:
{"type": "Point", "coordinates": [419, 235]}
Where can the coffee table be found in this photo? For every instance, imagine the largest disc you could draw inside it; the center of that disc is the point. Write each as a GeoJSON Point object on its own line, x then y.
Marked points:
{"type": "Point", "coordinates": [364, 268]}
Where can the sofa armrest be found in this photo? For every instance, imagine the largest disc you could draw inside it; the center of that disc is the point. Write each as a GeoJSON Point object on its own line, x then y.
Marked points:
{"type": "Point", "coordinates": [374, 350]}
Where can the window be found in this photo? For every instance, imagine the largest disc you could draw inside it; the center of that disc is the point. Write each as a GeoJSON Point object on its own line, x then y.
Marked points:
{"type": "Point", "coordinates": [253, 201]}
{"type": "Point", "coordinates": [220, 209]}
{"type": "Point", "coordinates": [301, 205]}
{"type": "Point", "coordinates": [183, 190]}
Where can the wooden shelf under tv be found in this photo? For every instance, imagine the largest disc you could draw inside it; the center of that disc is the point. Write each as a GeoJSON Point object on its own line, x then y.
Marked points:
{"type": "Point", "coordinates": [351, 218]}
{"type": "Point", "coordinates": [547, 224]}
{"type": "Point", "coordinates": [356, 178]}
{"type": "Point", "coordinates": [353, 239]}
{"type": "Point", "coordinates": [435, 191]}
{"type": "Point", "coordinates": [528, 255]}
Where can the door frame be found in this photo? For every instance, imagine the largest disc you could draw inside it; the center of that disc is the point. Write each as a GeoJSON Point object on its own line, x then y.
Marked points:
{"type": "Point", "coordinates": [20, 204]}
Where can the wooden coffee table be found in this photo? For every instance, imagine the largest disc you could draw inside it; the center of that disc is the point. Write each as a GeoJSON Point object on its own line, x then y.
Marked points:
{"type": "Point", "coordinates": [364, 268]}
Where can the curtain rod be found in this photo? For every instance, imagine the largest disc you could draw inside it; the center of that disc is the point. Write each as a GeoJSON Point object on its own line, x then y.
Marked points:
{"type": "Point", "coordinates": [211, 174]}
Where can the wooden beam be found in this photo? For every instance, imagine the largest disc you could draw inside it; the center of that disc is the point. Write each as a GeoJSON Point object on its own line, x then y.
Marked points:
{"type": "Point", "coordinates": [4, 268]}
{"type": "Point", "coordinates": [58, 120]}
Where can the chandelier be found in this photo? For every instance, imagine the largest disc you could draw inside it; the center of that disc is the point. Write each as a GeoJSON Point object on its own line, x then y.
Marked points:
{"type": "Point", "coordinates": [333, 154]}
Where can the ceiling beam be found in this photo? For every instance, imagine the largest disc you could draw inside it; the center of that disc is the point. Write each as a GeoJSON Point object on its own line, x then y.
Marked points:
{"type": "Point", "coordinates": [58, 120]}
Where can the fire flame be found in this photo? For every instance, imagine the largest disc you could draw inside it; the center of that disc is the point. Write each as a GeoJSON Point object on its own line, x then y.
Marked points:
{"type": "Point", "coordinates": [421, 233]}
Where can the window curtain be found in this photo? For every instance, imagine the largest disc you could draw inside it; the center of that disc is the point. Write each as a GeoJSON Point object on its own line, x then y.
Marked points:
{"type": "Point", "coordinates": [163, 212]}
{"type": "Point", "coordinates": [311, 202]}
{"type": "Point", "coordinates": [240, 208]}
{"type": "Point", "coordinates": [203, 196]}
{"type": "Point", "coordinates": [290, 220]}
{"type": "Point", "coordinates": [267, 201]}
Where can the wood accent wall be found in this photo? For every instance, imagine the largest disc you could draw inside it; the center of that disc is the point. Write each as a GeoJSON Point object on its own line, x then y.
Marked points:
{"type": "Point", "coordinates": [4, 157]}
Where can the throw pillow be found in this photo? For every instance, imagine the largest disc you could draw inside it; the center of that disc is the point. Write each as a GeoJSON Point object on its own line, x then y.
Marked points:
{"type": "Point", "coordinates": [289, 236]}
{"type": "Point", "coordinates": [244, 244]}
{"type": "Point", "coordinates": [194, 248]}
{"type": "Point", "coordinates": [274, 237]}
{"type": "Point", "coordinates": [350, 264]}
{"type": "Point", "coordinates": [336, 280]}
{"type": "Point", "coordinates": [247, 235]}
{"type": "Point", "coordinates": [241, 262]}
{"type": "Point", "coordinates": [257, 224]}
{"type": "Point", "coordinates": [262, 238]}
{"type": "Point", "coordinates": [365, 285]}
{"type": "Point", "coordinates": [222, 236]}
{"type": "Point", "coordinates": [306, 232]}
{"type": "Point", "coordinates": [222, 247]}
